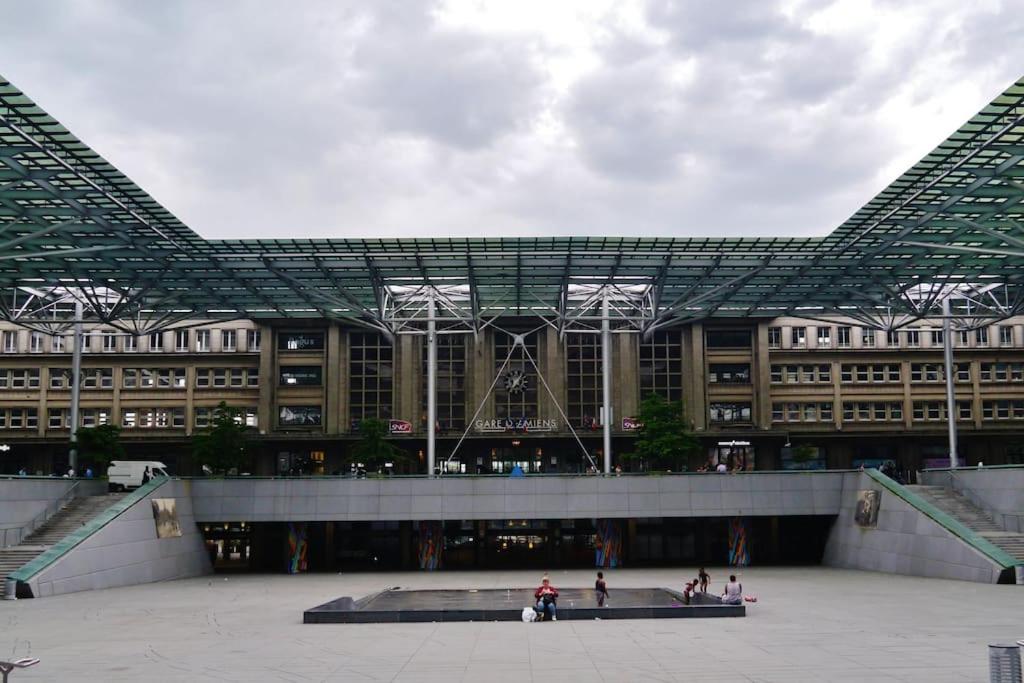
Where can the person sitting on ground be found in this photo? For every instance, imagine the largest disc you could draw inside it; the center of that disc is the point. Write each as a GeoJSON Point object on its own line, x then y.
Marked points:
{"type": "Point", "coordinates": [733, 594]}
{"type": "Point", "coordinates": [601, 586]}
{"type": "Point", "coordinates": [705, 580]}
{"type": "Point", "coordinates": [546, 596]}
{"type": "Point", "coordinates": [722, 468]}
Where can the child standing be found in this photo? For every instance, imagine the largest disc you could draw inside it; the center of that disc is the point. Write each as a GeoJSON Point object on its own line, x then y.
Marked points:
{"type": "Point", "coordinates": [602, 589]}
{"type": "Point", "coordinates": [705, 579]}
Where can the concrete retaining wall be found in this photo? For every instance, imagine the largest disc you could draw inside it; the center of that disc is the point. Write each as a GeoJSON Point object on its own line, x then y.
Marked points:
{"type": "Point", "coordinates": [127, 551]}
{"type": "Point", "coordinates": [906, 541]}
{"type": "Point", "coordinates": [532, 497]}
{"type": "Point", "coordinates": [998, 491]}
{"type": "Point", "coordinates": [22, 499]}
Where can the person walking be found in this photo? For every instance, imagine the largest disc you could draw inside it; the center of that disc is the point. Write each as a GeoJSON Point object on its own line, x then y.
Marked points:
{"type": "Point", "coordinates": [601, 586]}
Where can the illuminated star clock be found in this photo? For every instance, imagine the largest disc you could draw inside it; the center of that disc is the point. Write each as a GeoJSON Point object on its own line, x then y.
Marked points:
{"type": "Point", "coordinates": [516, 382]}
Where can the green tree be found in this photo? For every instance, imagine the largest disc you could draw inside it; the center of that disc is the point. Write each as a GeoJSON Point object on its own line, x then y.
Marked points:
{"type": "Point", "coordinates": [224, 446]}
{"type": "Point", "coordinates": [374, 449]}
{"type": "Point", "coordinates": [99, 445]}
{"type": "Point", "coordinates": [665, 439]}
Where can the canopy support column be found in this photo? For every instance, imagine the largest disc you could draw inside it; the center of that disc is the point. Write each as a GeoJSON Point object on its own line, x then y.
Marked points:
{"type": "Point", "coordinates": [431, 382]}
{"type": "Point", "coordinates": [606, 381]}
{"type": "Point", "coordinates": [76, 384]}
{"type": "Point", "coordinates": [947, 357]}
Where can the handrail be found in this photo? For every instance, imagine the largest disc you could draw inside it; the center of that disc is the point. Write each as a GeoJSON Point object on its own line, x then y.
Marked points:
{"type": "Point", "coordinates": [69, 542]}
{"type": "Point", "coordinates": [39, 520]}
{"type": "Point", "coordinates": [375, 476]}
{"type": "Point", "coordinates": [951, 524]}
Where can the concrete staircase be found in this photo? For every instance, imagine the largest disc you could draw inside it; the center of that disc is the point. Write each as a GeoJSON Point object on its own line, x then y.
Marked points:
{"type": "Point", "coordinates": [72, 516]}
{"type": "Point", "coordinates": [972, 517]}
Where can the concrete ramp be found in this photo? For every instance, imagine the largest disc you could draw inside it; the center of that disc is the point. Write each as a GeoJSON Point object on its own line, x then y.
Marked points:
{"type": "Point", "coordinates": [907, 534]}
{"type": "Point", "coordinates": [121, 546]}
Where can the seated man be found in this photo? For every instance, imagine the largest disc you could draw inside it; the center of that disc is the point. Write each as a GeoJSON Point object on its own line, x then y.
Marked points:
{"type": "Point", "coordinates": [733, 594]}
{"type": "Point", "coordinates": [546, 596]}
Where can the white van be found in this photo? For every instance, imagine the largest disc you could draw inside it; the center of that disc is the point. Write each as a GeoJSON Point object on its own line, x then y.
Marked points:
{"type": "Point", "coordinates": [127, 474]}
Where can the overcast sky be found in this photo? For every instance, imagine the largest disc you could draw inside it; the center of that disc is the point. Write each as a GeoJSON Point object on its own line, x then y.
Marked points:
{"type": "Point", "coordinates": [329, 118]}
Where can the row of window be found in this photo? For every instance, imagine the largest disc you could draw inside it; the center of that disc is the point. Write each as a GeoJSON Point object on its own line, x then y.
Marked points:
{"type": "Point", "coordinates": [844, 335]}
{"type": "Point", "coordinates": [802, 412]}
{"type": "Point", "coordinates": [132, 378]}
{"type": "Point", "coordinates": [131, 418]}
{"type": "Point", "coordinates": [110, 341]}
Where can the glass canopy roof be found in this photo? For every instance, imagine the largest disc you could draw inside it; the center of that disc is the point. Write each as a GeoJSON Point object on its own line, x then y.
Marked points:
{"type": "Point", "coordinates": [71, 222]}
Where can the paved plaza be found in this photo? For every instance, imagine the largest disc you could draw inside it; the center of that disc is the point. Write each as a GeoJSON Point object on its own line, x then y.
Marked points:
{"type": "Point", "coordinates": [811, 624]}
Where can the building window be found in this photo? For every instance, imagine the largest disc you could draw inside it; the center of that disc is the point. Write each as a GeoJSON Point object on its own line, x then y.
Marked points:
{"type": "Point", "coordinates": [1002, 372]}
{"type": "Point", "coordinates": [867, 338]}
{"type": "Point", "coordinates": [300, 341]}
{"type": "Point", "coordinates": [253, 340]}
{"type": "Point", "coordinates": [661, 366]}
{"type": "Point", "coordinates": [98, 378]}
{"type": "Point", "coordinates": [10, 341]}
{"type": "Point", "coordinates": [981, 336]}
{"type": "Point", "coordinates": [801, 412]}
{"type": "Point", "coordinates": [937, 338]}
{"type": "Point", "coordinates": [181, 340]}
{"type": "Point", "coordinates": [729, 412]}
{"type": "Point", "coordinates": [878, 373]}
{"type": "Point", "coordinates": [202, 340]}
{"type": "Point", "coordinates": [57, 343]}
{"type": "Point", "coordinates": [109, 341]}
{"type": "Point", "coordinates": [872, 411]}
{"type": "Point", "coordinates": [1002, 410]}
{"type": "Point", "coordinates": [35, 342]}
{"type": "Point", "coordinates": [371, 373]}
{"type": "Point", "coordinates": [824, 337]}
{"type": "Point", "coordinates": [774, 337]}
{"type": "Point", "coordinates": [583, 366]}
{"type": "Point", "coordinates": [728, 373]}
{"type": "Point", "coordinates": [913, 339]}
{"type": "Point", "coordinates": [728, 339]}
{"type": "Point", "coordinates": [220, 378]}
{"type": "Point", "coordinates": [19, 417]}
{"type": "Point", "coordinates": [798, 337]}
{"type": "Point", "coordinates": [892, 339]}
{"type": "Point", "coordinates": [131, 343]}
{"type": "Point", "coordinates": [515, 395]}
{"type": "Point", "coordinates": [301, 376]}
{"type": "Point", "coordinates": [228, 340]}
{"type": "Point", "coordinates": [451, 383]}
{"type": "Point", "coordinates": [57, 418]}
{"type": "Point", "coordinates": [299, 416]}
{"type": "Point", "coordinates": [965, 338]}
{"type": "Point", "coordinates": [1005, 335]}
{"type": "Point", "coordinates": [19, 379]}
{"type": "Point", "coordinates": [844, 337]}
{"type": "Point", "coordinates": [156, 341]}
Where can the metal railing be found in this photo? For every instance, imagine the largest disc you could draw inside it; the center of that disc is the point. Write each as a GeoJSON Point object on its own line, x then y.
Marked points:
{"type": "Point", "coordinates": [14, 535]}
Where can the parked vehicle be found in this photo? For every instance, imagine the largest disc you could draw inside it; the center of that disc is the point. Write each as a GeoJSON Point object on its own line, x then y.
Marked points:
{"type": "Point", "coordinates": [123, 475]}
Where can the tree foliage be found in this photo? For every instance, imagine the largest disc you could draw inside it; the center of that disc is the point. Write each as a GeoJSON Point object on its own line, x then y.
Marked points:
{"type": "Point", "coordinates": [664, 439]}
{"type": "Point", "coordinates": [99, 445]}
{"type": "Point", "coordinates": [224, 446]}
{"type": "Point", "coordinates": [374, 449]}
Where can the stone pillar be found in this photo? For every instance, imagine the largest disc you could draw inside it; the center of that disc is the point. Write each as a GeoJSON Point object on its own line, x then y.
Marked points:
{"type": "Point", "coordinates": [332, 382]}
{"type": "Point", "coordinates": [627, 378]}
{"type": "Point", "coordinates": [761, 377]}
{"type": "Point", "coordinates": [266, 417]}
{"type": "Point", "coordinates": [695, 377]}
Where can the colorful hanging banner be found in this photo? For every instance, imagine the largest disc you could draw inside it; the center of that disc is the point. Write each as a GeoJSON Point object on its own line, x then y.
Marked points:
{"type": "Point", "coordinates": [608, 543]}
{"type": "Point", "coordinates": [431, 543]}
{"type": "Point", "coordinates": [297, 547]}
{"type": "Point", "coordinates": [739, 552]}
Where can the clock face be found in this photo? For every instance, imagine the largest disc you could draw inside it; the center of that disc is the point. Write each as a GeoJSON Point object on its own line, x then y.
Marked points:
{"type": "Point", "coordinates": [515, 382]}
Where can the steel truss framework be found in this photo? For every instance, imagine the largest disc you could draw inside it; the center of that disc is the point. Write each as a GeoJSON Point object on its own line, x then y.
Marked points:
{"type": "Point", "coordinates": [73, 228]}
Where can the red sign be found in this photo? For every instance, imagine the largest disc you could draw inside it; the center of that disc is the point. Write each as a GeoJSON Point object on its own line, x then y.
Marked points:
{"type": "Point", "coordinates": [631, 424]}
{"type": "Point", "coordinates": [401, 427]}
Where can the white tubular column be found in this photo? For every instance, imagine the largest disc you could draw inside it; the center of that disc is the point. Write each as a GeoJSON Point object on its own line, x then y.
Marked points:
{"type": "Point", "coordinates": [76, 384]}
{"type": "Point", "coordinates": [947, 357]}
{"type": "Point", "coordinates": [606, 381]}
{"type": "Point", "coordinates": [431, 383]}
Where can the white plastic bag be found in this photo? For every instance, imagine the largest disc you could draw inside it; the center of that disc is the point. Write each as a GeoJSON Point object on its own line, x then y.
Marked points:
{"type": "Point", "coordinates": [529, 614]}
